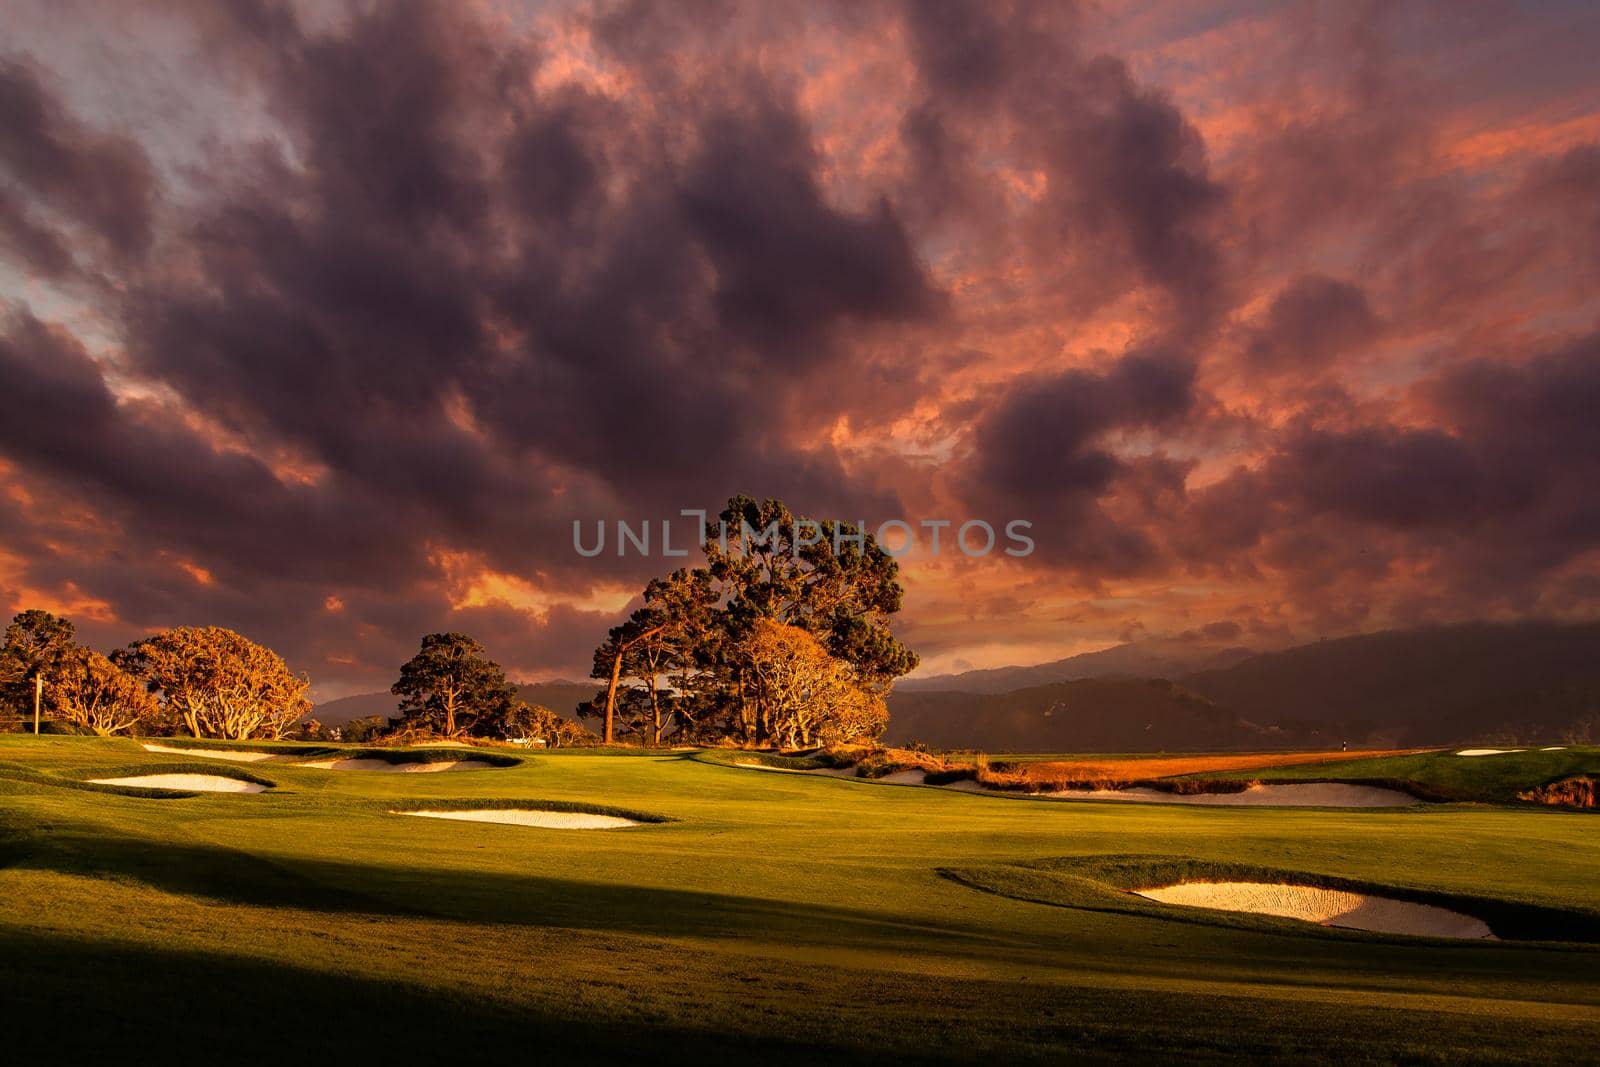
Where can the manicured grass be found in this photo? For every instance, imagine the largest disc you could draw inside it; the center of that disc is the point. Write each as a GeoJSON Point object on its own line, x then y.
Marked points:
{"type": "Point", "coordinates": [1444, 775]}
{"type": "Point", "coordinates": [786, 918]}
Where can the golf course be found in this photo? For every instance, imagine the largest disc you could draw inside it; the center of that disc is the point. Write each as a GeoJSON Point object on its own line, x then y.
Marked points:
{"type": "Point", "coordinates": [717, 911]}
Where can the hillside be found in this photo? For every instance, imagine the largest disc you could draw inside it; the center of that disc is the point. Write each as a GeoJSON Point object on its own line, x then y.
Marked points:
{"type": "Point", "coordinates": [1518, 682]}
{"type": "Point", "coordinates": [1169, 658]}
{"type": "Point", "coordinates": [560, 697]}
{"type": "Point", "coordinates": [1088, 715]}
{"type": "Point", "coordinates": [1440, 685]}
{"type": "Point", "coordinates": [338, 712]}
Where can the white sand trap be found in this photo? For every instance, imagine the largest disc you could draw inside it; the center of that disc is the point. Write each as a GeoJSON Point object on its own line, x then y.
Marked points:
{"type": "Point", "coordinates": [1487, 751]}
{"type": "Point", "coordinates": [1304, 795]}
{"type": "Point", "coordinates": [209, 753]}
{"type": "Point", "coordinates": [385, 767]}
{"type": "Point", "coordinates": [198, 783]}
{"type": "Point", "coordinates": [1328, 907]}
{"type": "Point", "coordinates": [910, 777]}
{"type": "Point", "coordinates": [1554, 748]}
{"type": "Point", "coordinates": [550, 820]}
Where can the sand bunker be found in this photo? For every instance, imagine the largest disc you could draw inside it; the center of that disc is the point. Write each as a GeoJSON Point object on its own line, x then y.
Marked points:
{"type": "Point", "coordinates": [550, 820]}
{"type": "Point", "coordinates": [1487, 751]}
{"type": "Point", "coordinates": [196, 783]}
{"type": "Point", "coordinates": [1327, 907]}
{"type": "Point", "coordinates": [384, 766]}
{"type": "Point", "coordinates": [1306, 795]}
{"type": "Point", "coordinates": [1554, 748]}
{"type": "Point", "coordinates": [780, 770]}
{"type": "Point", "coordinates": [209, 753]}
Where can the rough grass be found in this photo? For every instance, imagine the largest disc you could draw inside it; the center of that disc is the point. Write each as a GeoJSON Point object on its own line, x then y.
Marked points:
{"type": "Point", "coordinates": [780, 918]}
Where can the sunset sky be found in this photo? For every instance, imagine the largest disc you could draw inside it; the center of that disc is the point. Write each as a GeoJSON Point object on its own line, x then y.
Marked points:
{"type": "Point", "coordinates": [324, 322]}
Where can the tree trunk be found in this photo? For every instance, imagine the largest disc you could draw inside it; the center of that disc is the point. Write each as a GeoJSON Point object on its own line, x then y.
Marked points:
{"type": "Point", "coordinates": [611, 696]}
{"type": "Point", "coordinates": [655, 714]}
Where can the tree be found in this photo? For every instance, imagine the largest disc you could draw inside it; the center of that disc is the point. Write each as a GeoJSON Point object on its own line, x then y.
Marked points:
{"type": "Point", "coordinates": [826, 577]}
{"type": "Point", "coordinates": [802, 695]}
{"type": "Point", "coordinates": [685, 650]}
{"type": "Point", "coordinates": [91, 691]}
{"type": "Point", "coordinates": [363, 730]}
{"type": "Point", "coordinates": [452, 685]}
{"type": "Point", "coordinates": [657, 639]}
{"type": "Point", "coordinates": [34, 646]}
{"type": "Point", "coordinates": [219, 683]}
{"type": "Point", "coordinates": [537, 722]}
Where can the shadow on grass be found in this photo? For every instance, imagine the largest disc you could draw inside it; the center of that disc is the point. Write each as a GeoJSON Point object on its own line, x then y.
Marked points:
{"type": "Point", "coordinates": [236, 877]}
{"type": "Point", "coordinates": [73, 1001]}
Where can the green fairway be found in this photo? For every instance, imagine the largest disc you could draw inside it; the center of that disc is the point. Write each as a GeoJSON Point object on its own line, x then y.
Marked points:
{"type": "Point", "coordinates": [785, 916]}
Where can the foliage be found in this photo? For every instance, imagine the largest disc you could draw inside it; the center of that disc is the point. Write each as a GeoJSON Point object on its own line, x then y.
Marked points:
{"type": "Point", "coordinates": [452, 686]}
{"type": "Point", "coordinates": [362, 730]}
{"type": "Point", "coordinates": [524, 721]}
{"type": "Point", "coordinates": [681, 665]}
{"type": "Point", "coordinates": [218, 683]}
{"type": "Point", "coordinates": [798, 695]}
{"type": "Point", "coordinates": [91, 691]}
{"type": "Point", "coordinates": [35, 646]}
{"type": "Point", "coordinates": [311, 730]}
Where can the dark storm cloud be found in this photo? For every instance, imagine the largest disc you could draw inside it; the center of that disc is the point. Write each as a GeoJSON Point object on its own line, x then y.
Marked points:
{"type": "Point", "coordinates": [1129, 190]}
{"type": "Point", "coordinates": [787, 265]}
{"type": "Point", "coordinates": [1042, 452]}
{"type": "Point", "coordinates": [459, 293]}
{"type": "Point", "coordinates": [1312, 322]}
{"type": "Point", "coordinates": [1495, 498]}
{"type": "Point", "coordinates": [441, 295]}
{"type": "Point", "coordinates": [96, 180]}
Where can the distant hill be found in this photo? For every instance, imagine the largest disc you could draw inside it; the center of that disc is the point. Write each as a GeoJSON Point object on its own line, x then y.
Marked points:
{"type": "Point", "coordinates": [560, 697]}
{"type": "Point", "coordinates": [338, 712]}
{"type": "Point", "coordinates": [1439, 685]}
{"type": "Point", "coordinates": [1436, 686]}
{"type": "Point", "coordinates": [1168, 658]}
{"type": "Point", "coordinates": [1088, 715]}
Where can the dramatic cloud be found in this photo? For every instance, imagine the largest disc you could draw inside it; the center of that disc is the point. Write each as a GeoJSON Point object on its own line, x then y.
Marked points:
{"type": "Point", "coordinates": [325, 322]}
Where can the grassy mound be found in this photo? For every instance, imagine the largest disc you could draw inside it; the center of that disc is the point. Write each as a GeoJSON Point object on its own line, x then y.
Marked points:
{"type": "Point", "coordinates": [733, 757]}
{"type": "Point", "coordinates": [1103, 883]}
{"type": "Point", "coordinates": [424, 755]}
{"type": "Point", "coordinates": [79, 778]}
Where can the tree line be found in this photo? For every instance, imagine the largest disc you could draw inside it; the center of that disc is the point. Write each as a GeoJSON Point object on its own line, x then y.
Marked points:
{"type": "Point", "coordinates": [210, 682]}
{"type": "Point", "coordinates": [781, 639]}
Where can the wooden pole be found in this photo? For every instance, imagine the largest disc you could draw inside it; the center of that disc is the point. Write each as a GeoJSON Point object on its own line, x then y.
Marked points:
{"type": "Point", "coordinates": [38, 694]}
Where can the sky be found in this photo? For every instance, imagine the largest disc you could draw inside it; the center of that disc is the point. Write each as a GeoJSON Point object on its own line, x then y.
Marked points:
{"type": "Point", "coordinates": [324, 322]}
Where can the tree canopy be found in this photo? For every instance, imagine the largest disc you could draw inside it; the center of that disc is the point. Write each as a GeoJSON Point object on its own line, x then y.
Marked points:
{"type": "Point", "coordinates": [35, 645]}
{"type": "Point", "coordinates": [219, 683]}
{"type": "Point", "coordinates": [92, 692]}
{"type": "Point", "coordinates": [707, 653]}
{"type": "Point", "coordinates": [452, 686]}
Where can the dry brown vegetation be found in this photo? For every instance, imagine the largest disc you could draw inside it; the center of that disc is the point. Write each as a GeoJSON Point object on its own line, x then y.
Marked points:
{"type": "Point", "coordinates": [1115, 773]}
{"type": "Point", "coordinates": [1570, 793]}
